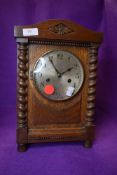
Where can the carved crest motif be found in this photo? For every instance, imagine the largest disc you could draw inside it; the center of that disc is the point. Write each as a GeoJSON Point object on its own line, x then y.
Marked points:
{"type": "Point", "coordinates": [60, 29]}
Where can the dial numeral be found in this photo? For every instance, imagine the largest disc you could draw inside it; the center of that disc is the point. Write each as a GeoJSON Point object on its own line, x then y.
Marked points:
{"type": "Point", "coordinates": [57, 94]}
{"type": "Point", "coordinates": [69, 58]}
{"type": "Point", "coordinates": [60, 56]}
{"type": "Point", "coordinates": [40, 74]}
{"type": "Point", "coordinates": [75, 65]}
{"type": "Point", "coordinates": [39, 64]}
{"type": "Point", "coordinates": [36, 79]}
{"type": "Point", "coordinates": [77, 76]}
{"type": "Point", "coordinates": [42, 84]}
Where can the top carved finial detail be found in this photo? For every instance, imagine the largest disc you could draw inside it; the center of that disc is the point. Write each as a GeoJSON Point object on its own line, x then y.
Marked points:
{"type": "Point", "coordinates": [60, 29]}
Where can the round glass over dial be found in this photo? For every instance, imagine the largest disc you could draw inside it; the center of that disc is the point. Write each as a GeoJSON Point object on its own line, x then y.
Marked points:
{"type": "Point", "coordinates": [58, 75]}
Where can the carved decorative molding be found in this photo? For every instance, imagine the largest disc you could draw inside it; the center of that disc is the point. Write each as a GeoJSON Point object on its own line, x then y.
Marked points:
{"type": "Point", "coordinates": [60, 43]}
{"type": "Point", "coordinates": [93, 51]}
{"type": "Point", "coordinates": [60, 29]}
{"type": "Point", "coordinates": [56, 138]}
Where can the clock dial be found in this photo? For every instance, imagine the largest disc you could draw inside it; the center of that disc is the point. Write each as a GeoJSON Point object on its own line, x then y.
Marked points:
{"type": "Point", "coordinates": [58, 75]}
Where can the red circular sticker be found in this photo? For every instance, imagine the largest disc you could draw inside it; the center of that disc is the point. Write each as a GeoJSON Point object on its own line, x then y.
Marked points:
{"type": "Point", "coordinates": [49, 89]}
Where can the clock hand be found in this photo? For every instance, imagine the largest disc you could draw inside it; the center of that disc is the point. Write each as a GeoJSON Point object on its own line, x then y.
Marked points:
{"type": "Point", "coordinates": [66, 70]}
{"type": "Point", "coordinates": [58, 73]}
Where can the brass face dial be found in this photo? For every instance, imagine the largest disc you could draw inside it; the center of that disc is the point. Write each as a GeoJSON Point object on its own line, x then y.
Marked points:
{"type": "Point", "coordinates": [58, 75]}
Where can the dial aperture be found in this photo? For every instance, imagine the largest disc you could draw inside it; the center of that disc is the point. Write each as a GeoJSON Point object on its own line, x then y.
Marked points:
{"type": "Point", "coordinates": [69, 80]}
{"type": "Point", "coordinates": [48, 79]}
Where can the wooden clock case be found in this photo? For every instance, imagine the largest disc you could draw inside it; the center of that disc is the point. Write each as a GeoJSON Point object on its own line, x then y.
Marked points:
{"type": "Point", "coordinates": [43, 120]}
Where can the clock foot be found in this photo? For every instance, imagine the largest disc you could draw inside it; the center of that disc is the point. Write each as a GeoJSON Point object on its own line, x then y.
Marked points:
{"type": "Point", "coordinates": [88, 144]}
{"type": "Point", "coordinates": [22, 147]}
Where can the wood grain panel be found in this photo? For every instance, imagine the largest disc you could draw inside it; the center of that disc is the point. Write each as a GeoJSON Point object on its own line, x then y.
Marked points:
{"type": "Point", "coordinates": [41, 111]}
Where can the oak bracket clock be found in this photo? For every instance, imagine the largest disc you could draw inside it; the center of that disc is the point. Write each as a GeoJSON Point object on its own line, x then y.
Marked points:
{"type": "Point", "coordinates": [56, 82]}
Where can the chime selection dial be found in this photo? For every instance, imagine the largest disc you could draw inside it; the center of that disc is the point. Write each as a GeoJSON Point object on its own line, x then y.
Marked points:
{"type": "Point", "coordinates": [58, 75]}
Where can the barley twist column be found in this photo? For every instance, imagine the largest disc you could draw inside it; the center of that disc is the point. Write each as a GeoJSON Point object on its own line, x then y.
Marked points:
{"type": "Point", "coordinates": [93, 51]}
{"type": "Point", "coordinates": [22, 83]}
